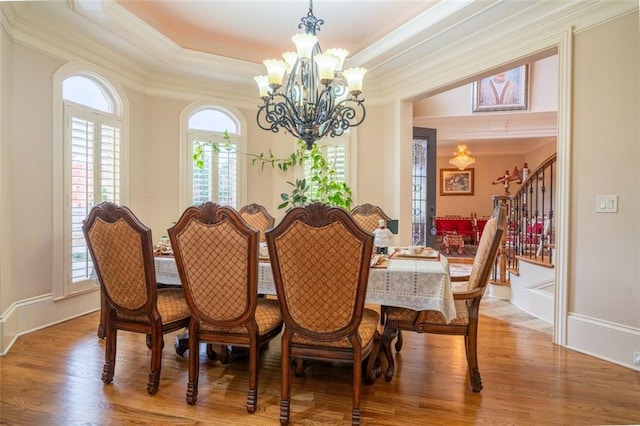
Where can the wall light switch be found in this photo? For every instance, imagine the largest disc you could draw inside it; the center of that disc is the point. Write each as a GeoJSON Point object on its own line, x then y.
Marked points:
{"type": "Point", "coordinates": [606, 204]}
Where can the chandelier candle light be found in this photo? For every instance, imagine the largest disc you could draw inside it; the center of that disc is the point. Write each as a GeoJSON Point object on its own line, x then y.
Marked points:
{"type": "Point", "coordinates": [320, 98]}
{"type": "Point", "coordinates": [462, 157]}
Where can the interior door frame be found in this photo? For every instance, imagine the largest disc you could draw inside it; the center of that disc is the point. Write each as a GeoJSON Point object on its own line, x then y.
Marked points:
{"type": "Point", "coordinates": [430, 135]}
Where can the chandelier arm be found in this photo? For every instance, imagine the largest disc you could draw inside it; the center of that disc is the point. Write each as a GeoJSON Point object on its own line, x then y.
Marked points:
{"type": "Point", "coordinates": [276, 114]}
{"type": "Point", "coordinates": [343, 117]}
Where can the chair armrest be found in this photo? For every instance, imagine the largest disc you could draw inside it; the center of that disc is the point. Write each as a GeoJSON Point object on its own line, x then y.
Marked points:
{"type": "Point", "coordinates": [467, 294]}
{"type": "Point", "coordinates": [458, 278]}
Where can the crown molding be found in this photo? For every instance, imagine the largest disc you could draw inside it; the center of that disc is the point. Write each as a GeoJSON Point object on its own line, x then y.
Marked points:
{"type": "Point", "coordinates": [493, 127]}
{"type": "Point", "coordinates": [487, 42]}
{"type": "Point", "coordinates": [432, 53]}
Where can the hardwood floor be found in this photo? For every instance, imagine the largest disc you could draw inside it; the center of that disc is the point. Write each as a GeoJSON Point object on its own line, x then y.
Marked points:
{"type": "Point", "coordinates": [52, 377]}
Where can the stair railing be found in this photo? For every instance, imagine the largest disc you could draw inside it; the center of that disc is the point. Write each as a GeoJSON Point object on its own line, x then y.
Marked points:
{"type": "Point", "coordinates": [531, 228]}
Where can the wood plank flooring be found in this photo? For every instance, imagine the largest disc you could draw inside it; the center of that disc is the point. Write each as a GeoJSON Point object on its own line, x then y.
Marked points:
{"type": "Point", "coordinates": [52, 377]}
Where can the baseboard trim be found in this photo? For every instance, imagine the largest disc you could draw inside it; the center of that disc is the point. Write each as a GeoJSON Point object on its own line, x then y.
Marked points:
{"type": "Point", "coordinates": [499, 291]}
{"type": "Point", "coordinates": [603, 339]}
{"type": "Point", "coordinates": [28, 315]}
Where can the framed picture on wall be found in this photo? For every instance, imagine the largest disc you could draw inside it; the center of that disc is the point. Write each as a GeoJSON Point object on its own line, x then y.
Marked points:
{"type": "Point", "coordinates": [504, 91]}
{"type": "Point", "coordinates": [456, 182]}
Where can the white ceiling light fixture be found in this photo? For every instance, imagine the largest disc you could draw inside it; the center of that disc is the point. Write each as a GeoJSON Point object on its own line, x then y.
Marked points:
{"type": "Point", "coordinates": [462, 157]}
{"type": "Point", "coordinates": [320, 98]}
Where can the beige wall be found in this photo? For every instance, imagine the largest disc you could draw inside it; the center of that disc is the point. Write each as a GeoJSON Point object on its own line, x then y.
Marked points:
{"type": "Point", "coordinates": [155, 161]}
{"type": "Point", "coordinates": [6, 214]}
{"type": "Point", "coordinates": [543, 90]}
{"type": "Point", "coordinates": [372, 161]}
{"type": "Point", "coordinates": [30, 185]}
{"type": "Point", "coordinates": [604, 252]}
{"type": "Point", "coordinates": [544, 149]}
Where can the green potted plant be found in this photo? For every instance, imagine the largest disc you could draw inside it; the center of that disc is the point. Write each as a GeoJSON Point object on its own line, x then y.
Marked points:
{"type": "Point", "coordinates": [322, 185]}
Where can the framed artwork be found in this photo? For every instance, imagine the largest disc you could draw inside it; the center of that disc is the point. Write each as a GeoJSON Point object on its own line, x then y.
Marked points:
{"type": "Point", "coordinates": [456, 182]}
{"type": "Point", "coordinates": [504, 91]}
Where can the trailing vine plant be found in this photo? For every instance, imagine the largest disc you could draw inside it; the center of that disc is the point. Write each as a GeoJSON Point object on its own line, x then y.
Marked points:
{"type": "Point", "coordinates": [323, 186]}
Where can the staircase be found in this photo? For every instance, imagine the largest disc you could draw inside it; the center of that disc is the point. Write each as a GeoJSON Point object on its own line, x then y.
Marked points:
{"type": "Point", "coordinates": [533, 290]}
{"type": "Point", "coordinates": [524, 271]}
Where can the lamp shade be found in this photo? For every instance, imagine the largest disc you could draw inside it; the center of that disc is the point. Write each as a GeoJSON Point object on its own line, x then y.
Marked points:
{"type": "Point", "coordinates": [275, 70]}
{"type": "Point", "coordinates": [263, 84]}
{"type": "Point", "coordinates": [341, 54]}
{"type": "Point", "coordinates": [304, 43]}
{"type": "Point", "coordinates": [327, 65]}
{"type": "Point", "coordinates": [354, 77]}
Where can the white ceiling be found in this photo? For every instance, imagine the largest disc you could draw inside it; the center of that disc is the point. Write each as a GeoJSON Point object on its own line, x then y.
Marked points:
{"type": "Point", "coordinates": [255, 30]}
{"type": "Point", "coordinates": [224, 41]}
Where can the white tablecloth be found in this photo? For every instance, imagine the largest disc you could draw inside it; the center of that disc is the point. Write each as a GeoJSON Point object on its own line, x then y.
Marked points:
{"type": "Point", "coordinates": [413, 284]}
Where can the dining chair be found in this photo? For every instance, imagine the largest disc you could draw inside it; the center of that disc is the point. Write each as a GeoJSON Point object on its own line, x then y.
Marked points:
{"type": "Point", "coordinates": [467, 303]}
{"type": "Point", "coordinates": [257, 216]}
{"type": "Point", "coordinates": [122, 253]}
{"type": "Point", "coordinates": [320, 260]}
{"type": "Point", "coordinates": [216, 253]}
{"type": "Point", "coordinates": [367, 215]}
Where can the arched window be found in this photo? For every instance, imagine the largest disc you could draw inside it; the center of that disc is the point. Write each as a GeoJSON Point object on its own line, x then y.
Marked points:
{"type": "Point", "coordinates": [214, 166]}
{"type": "Point", "coordinates": [89, 162]}
{"type": "Point", "coordinates": [85, 91]}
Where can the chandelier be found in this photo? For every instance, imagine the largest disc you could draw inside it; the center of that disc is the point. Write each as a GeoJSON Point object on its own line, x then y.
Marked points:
{"type": "Point", "coordinates": [462, 157]}
{"type": "Point", "coordinates": [320, 98]}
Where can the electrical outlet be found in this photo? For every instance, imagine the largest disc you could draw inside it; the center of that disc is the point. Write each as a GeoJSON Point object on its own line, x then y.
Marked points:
{"type": "Point", "coordinates": [636, 358]}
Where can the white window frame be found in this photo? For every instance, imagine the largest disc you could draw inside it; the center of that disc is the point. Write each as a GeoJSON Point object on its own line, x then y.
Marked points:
{"type": "Point", "coordinates": [63, 286]}
{"type": "Point", "coordinates": [202, 136]}
{"type": "Point", "coordinates": [349, 139]}
{"type": "Point", "coordinates": [186, 149]}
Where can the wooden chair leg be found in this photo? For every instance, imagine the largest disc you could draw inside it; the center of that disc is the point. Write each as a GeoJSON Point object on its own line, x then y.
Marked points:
{"type": "Point", "coordinates": [103, 317]}
{"type": "Point", "coordinates": [299, 370]}
{"type": "Point", "coordinates": [252, 396]}
{"type": "Point", "coordinates": [157, 342]}
{"type": "Point", "coordinates": [109, 354]}
{"type": "Point", "coordinates": [194, 366]}
{"type": "Point", "coordinates": [474, 373]}
{"type": "Point", "coordinates": [285, 379]}
{"type": "Point", "coordinates": [223, 354]}
{"type": "Point", "coordinates": [357, 383]}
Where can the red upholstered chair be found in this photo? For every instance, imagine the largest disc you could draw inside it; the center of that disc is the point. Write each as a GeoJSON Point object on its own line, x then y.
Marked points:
{"type": "Point", "coordinates": [122, 253]}
{"type": "Point", "coordinates": [467, 303]}
{"type": "Point", "coordinates": [320, 259]}
{"type": "Point", "coordinates": [217, 257]}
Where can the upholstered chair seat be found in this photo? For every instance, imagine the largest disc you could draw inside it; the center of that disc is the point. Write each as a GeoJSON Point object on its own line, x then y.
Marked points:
{"type": "Point", "coordinates": [367, 331]}
{"type": "Point", "coordinates": [267, 316]}
{"type": "Point", "coordinates": [171, 306]}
